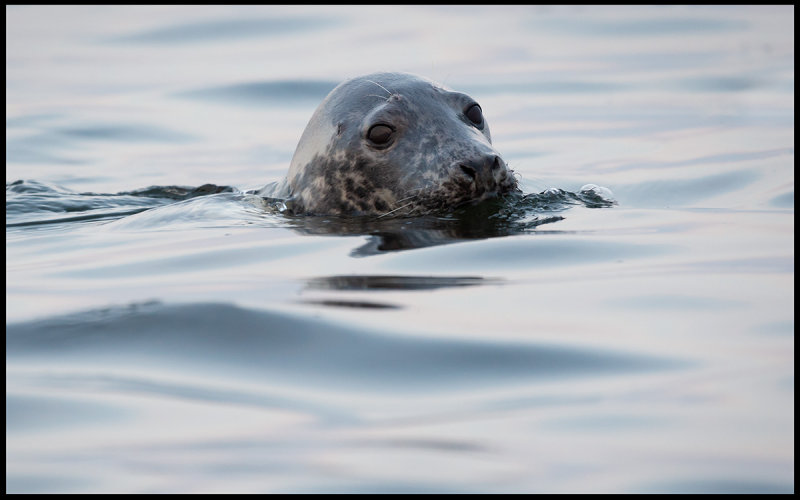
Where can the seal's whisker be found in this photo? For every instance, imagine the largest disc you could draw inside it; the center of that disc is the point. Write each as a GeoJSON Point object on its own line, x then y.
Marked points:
{"type": "Point", "coordinates": [395, 210]}
{"type": "Point", "coordinates": [378, 96]}
{"type": "Point", "coordinates": [410, 197]}
{"type": "Point", "coordinates": [381, 86]}
{"type": "Point", "coordinates": [416, 189]}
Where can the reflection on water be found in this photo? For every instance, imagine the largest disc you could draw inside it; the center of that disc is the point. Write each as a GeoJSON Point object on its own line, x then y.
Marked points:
{"type": "Point", "coordinates": [502, 216]}
{"type": "Point", "coordinates": [394, 282]}
{"type": "Point", "coordinates": [351, 303]}
{"type": "Point", "coordinates": [192, 336]}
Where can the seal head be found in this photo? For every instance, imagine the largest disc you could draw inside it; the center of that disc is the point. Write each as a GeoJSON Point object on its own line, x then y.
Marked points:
{"type": "Point", "coordinates": [395, 144]}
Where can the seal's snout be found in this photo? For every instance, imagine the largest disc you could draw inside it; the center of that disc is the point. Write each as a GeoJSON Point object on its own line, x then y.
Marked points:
{"type": "Point", "coordinates": [486, 171]}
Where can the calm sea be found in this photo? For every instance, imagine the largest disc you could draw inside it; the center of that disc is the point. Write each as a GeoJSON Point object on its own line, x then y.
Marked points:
{"type": "Point", "coordinates": [633, 337]}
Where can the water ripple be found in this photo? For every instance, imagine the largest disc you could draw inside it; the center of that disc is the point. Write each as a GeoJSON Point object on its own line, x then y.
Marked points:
{"type": "Point", "coordinates": [305, 351]}
{"type": "Point", "coordinates": [226, 29]}
{"type": "Point", "coordinates": [269, 93]}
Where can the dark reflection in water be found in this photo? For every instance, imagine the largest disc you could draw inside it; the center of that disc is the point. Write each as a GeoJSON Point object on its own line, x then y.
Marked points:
{"type": "Point", "coordinates": [502, 216]}
{"type": "Point", "coordinates": [358, 304]}
{"type": "Point", "coordinates": [377, 282]}
{"type": "Point", "coordinates": [394, 282]}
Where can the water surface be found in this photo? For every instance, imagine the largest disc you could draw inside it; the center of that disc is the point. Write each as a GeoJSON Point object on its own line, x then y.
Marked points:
{"type": "Point", "coordinates": [626, 326]}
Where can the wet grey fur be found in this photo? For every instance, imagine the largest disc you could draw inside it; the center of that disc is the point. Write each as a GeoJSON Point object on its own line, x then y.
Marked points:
{"type": "Point", "coordinates": [437, 158]}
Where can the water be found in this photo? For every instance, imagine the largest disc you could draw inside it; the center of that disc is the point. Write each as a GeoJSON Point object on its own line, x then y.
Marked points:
{"type": "Point", "coordinates": [167, 332]}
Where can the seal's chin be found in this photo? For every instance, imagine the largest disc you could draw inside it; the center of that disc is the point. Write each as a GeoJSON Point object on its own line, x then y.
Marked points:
{"type": "Point", "coordinates": [490, 195]}
{"type": "Point", "coordinates": [475, 201]}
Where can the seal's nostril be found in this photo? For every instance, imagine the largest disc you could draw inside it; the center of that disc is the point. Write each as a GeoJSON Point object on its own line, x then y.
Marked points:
{"type": "Point", "coordinates": [469, 171]}
{"type": "Point", "coordinates": [496, 163]}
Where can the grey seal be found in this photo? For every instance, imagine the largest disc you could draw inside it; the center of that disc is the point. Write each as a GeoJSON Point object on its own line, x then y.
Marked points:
{"type": "Point", "coordinates": [394, 144]}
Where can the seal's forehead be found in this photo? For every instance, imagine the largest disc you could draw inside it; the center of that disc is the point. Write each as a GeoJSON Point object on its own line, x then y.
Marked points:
{"type": "Point", "coordinates": [440, 91]}
{"type": "Point", "coordinates": [396, 83]}
{"type": "Point", "coordinates": [408, 85]}
{"type": "Point", "coordinates": [358, 97]}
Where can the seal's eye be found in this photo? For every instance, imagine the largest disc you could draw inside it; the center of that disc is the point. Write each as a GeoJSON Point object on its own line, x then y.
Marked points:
{"type": "Point", "coordinates": [474, 114]}
{"type": "Point", "coordinates": [380, 134]}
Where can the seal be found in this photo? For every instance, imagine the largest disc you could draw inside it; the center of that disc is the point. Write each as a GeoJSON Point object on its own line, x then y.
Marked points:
{"type": "Point", "coordinates": [394, 144]}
